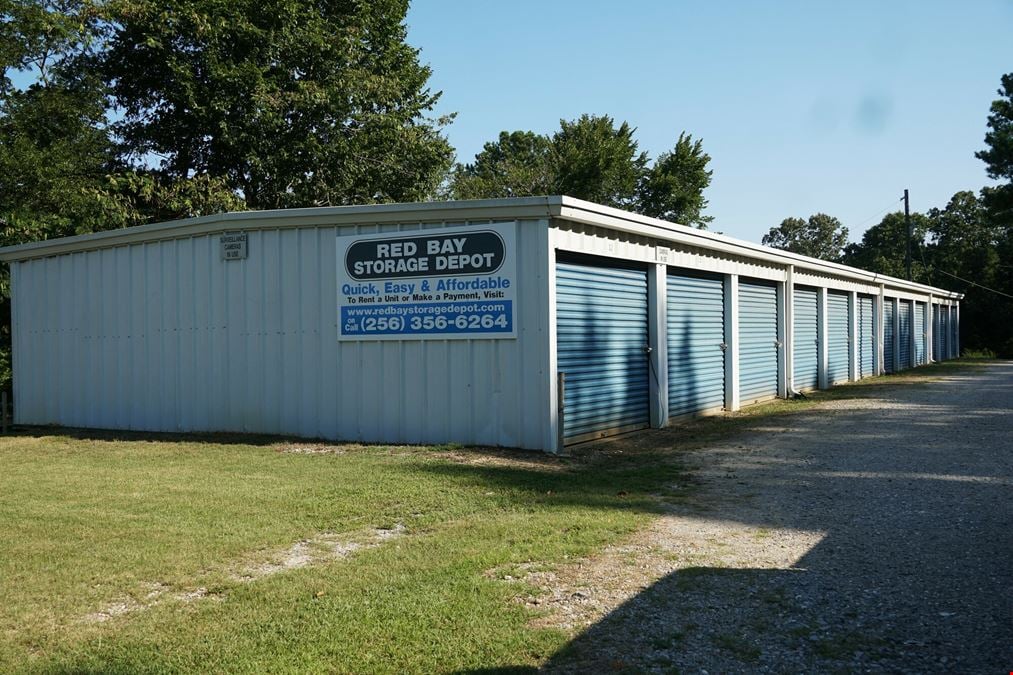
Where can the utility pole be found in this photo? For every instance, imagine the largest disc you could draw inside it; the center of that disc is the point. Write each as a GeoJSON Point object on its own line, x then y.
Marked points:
{"type": "Point", "coordinates": [907, 222]}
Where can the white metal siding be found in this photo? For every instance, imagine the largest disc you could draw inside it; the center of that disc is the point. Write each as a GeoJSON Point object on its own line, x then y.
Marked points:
{"type": "Point", "coordinates": [165, 336]}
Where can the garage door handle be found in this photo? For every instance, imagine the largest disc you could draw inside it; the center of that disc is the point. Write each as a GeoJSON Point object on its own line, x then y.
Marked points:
{"type": "Point", "coordinates": [724, 346]}
{"type": "Point", "coordinates": [648, 349]}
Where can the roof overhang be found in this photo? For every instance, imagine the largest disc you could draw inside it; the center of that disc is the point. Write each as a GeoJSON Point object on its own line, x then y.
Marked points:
{"type": "Point", "coordinates": [519, 208]}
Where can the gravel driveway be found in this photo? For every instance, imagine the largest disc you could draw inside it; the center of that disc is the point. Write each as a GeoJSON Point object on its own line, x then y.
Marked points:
{"type": "Point", "coordinates": [865, 535]}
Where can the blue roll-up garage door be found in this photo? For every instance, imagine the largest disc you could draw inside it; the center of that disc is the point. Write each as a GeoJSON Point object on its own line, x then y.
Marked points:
{"type": "Point", "coordinates": [937, 335]}
{"type": "Point", "coordinates": [805, 342]}
{"type": "Point", "coordinates": [866, 336]}
{"type": "Point", "coordinates": [943, 332]}
{"type": "Point", "coordinates": [905, 334]}
{"type": "Point", "coordinates": [888, 333]}
{"type": "Point", "coordinates": [696, 338]}
{"type": "Point", "coordinates": [838, 342]}
{"type": "Point", "coordinates": [954, 333]}
{"type": "Point", "coordinates": [758, 351]}
{"type": "Point", "coordinates": [601, 327]}
{"type": "Point", "coordinates": [919, 324]}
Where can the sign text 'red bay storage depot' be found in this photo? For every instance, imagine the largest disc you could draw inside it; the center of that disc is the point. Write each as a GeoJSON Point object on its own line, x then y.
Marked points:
{"type": "Point", "coordinates": [447, 283]}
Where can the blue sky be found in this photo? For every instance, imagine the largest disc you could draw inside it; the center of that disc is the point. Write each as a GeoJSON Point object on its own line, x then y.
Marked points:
{"type": "Point", "coordinates": [803, 106]}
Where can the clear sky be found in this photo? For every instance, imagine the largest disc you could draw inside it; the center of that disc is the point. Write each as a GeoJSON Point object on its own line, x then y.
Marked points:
{"type": "Point", "coordinates": [803, 106]}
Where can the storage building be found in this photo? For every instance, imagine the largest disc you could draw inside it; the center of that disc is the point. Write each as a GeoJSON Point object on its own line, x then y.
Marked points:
{"type": "Point", "coordinates": [531, 322]}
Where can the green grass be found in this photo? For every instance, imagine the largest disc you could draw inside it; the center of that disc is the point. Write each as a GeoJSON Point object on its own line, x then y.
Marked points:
{"type": "Point", "coordinates": [90, 519]}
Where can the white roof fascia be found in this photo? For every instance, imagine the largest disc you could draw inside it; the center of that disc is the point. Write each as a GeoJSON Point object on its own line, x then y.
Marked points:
{"type": "Point", "coordinates": [517, 208]}
{"type": "Point", "coordinates": [588, 213]}
{"type": "Point", "coordinates": [522, 208]}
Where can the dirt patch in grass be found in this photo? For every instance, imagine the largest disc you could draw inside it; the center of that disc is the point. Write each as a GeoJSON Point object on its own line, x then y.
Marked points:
{"type": "Point", "coordinates": [578, 594]}
{"type": "Point", "coordinates": [317, 550]}
{"type": "Point", "coordinates": [470, 456]}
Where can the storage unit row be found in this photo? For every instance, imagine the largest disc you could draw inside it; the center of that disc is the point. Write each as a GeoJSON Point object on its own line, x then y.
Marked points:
{"type": "Point", "coordinates": [534, 322]}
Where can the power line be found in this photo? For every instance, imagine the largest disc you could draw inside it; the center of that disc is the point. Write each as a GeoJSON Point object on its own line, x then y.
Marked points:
{"type": "Point", "coordinates": [878, 213]}
{"type": "Point", "coordinates": [973, 283]}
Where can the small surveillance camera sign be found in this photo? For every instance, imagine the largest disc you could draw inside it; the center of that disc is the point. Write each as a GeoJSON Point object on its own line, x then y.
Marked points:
{"type": "Point", "coordinates": [233, 245]}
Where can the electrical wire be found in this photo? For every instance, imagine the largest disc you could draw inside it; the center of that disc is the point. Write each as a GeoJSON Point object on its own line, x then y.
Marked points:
{"type": "Point", "coordinates": [878, 213]}
{"type": "Point", "coordinates": [974, 283]}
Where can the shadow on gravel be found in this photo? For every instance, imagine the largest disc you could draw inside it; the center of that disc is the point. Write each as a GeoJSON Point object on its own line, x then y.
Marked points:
{"type": "Point", "coordinates": [914, 495]}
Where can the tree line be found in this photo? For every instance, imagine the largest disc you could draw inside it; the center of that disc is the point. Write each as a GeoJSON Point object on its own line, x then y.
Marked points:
{"type": "Point", "coordinates": [120, 112]}
{"type": "Point", "coordinates": [964, 246]}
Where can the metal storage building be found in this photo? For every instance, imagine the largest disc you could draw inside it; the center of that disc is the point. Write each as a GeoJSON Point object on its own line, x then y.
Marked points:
{"type": "Point", "coordinates": [531, 322]}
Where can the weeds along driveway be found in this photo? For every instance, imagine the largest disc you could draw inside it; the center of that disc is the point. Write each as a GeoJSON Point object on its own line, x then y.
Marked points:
{"type": "Point", "coordinates": [866, 534]}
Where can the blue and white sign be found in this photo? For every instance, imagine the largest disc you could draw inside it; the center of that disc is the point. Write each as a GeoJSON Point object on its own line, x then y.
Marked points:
{"type": "Point", "coordinates": [445, 283]}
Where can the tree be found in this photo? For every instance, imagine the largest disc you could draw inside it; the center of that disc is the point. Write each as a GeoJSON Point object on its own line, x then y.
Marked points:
{"type": "Point", "coordinates": [516, 165]}
{"type": "Point", "coordinates": [883, 248]}
{"type": "Point", "coordinates": [55, 148]}
{"type": "Point", "coordinates": [965, 247]}
{"type": "Point", "coordinates": [291, 103]}
{"type": "Point", "coordinates": [45, 35]}
{"type": "Point", "coordinates": [594, 160]}
{"type": "Point", "coordinates": [821, 236]}
{"type": "Point", "coordinates": [672, 189]}
{"type": "Point", "coordinates": [998, 157]}
{"type": "Point", "coordinates": [55, 151]}
{"type": "Point", "coordinates": [591, 158]}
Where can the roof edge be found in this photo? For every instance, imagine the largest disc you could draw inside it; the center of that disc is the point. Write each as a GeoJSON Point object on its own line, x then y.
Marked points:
{"type": "Point", "coordinates": [513, 208]}
{"type": "Point", "coordinates": [523, 208]}
{"type": "Point", "coordinates": [589, 213]}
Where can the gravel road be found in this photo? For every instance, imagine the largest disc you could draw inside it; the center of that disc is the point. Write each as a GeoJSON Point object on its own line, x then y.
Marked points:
{"type": "Point", "coordinates": [866, 535]}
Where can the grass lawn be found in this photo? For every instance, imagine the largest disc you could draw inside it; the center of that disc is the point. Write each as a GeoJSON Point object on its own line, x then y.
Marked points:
{"type": "Point", "coordinates": [93, 521]}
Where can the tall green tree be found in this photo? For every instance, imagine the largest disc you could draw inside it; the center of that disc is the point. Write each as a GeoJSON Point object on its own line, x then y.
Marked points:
{"type": "Point", "coordinates": [518, 164]}
{"type": "Point", "coordinates": [883, 248]}
{"type": "Point", "coordinates": [44, 36]}
{"type": "Point", "coordinates": [55, 148]}
{"type": "Point", "coordinates": [965, 254]}
{"type": "Point", "coordinates": [595, 159]}
{"type": "Point", "coordinates": [998, 156]}
{"type": "Point", "coordinates": [292, 103]}
{"type": "Point", "coordinates": [55, 151]}
{"type": "Point", "coordinates": [672, 189]}
{"type": "Point", "coordinates": [820, 236]}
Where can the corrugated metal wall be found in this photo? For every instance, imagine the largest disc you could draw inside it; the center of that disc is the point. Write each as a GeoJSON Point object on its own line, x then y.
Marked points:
{"type": "Point", "coordinates": [601, 328]}
{"type": "Point", "coordinates": [758, 351]}
{"type": "Point", "coordinates": [165, 336]}
{"type": "Point", "coordinates": [889, 363]}
{"type": "Point", "coordinates": [905, 334]}
{"type": "Point", "coordinates": [866, 336]}
{"type": "Point", "coordinates": [806, 339]}
{"type": "Point", "coordinates": [838, 340]}
{"type": "Point", "coordinates": [695, 327]}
